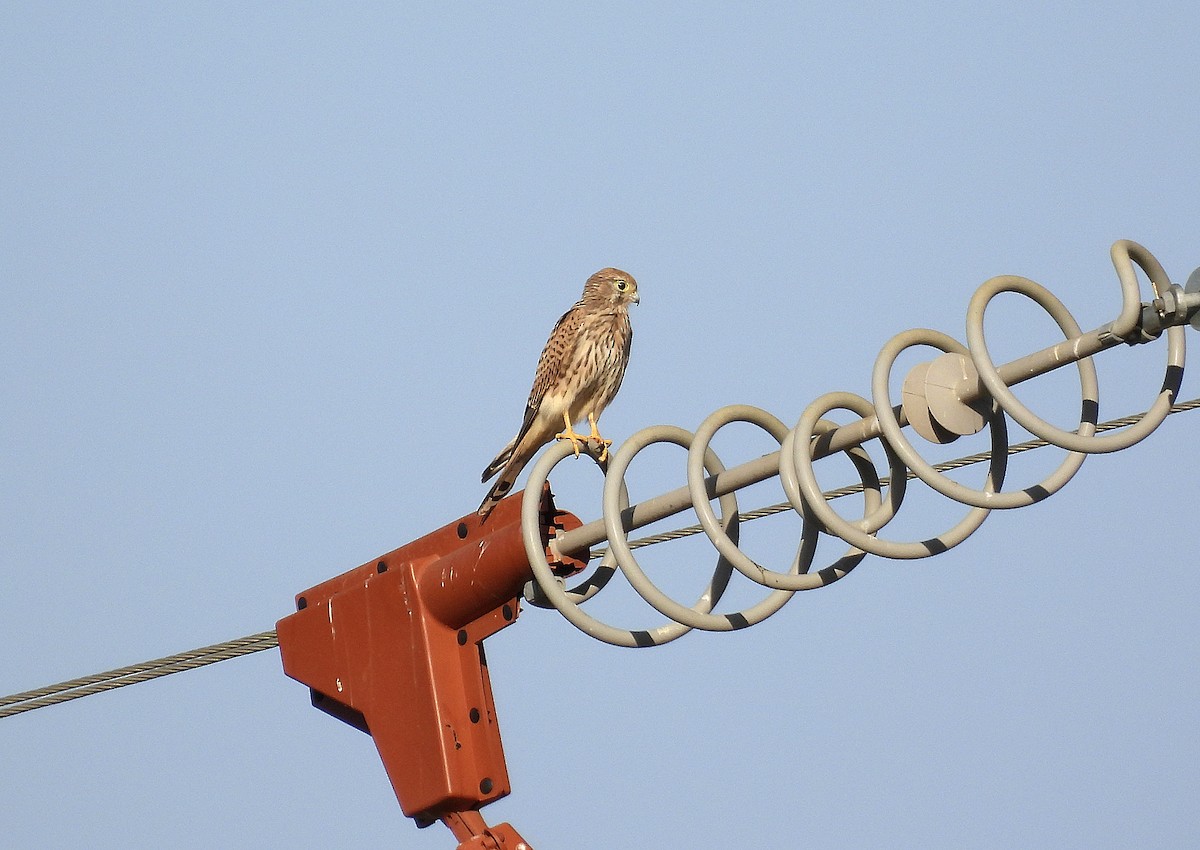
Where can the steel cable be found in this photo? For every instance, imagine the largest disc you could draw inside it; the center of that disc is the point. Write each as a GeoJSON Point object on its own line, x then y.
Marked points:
{"type": "Point", "coordinates": [135, 673]}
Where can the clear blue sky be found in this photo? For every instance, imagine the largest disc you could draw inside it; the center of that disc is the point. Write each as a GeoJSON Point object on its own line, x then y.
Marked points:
{"type": "Point", "coordinates": [273, 280]}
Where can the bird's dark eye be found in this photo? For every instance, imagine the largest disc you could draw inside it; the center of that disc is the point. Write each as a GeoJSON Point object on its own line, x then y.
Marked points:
{"type": "Point", "coordinates": [621, 285]}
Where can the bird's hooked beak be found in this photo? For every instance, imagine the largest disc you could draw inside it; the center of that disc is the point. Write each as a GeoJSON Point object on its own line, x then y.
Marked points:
{"type": "Point", "coordinates": [637, 298]}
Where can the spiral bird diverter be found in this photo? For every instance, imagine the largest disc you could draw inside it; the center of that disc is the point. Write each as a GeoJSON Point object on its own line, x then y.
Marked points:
{"type": "Point", "coordinates": [960, 392]}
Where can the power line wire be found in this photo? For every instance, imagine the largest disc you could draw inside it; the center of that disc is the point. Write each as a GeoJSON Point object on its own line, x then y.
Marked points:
{"type": "Point", "coordinates": [98, 682]}
{"type": "Point", "coordinates": [132, 675]}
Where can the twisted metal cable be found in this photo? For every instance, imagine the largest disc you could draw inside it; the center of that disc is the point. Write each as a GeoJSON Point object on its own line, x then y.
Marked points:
{"type": "Point", "coordinates": [959, 393]}
{"type": "Point", "coordinates": [135, 673]}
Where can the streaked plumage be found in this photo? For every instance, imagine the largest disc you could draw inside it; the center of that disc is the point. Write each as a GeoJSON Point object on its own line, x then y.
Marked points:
{"type": "Point", "coordinates": [577, 376]}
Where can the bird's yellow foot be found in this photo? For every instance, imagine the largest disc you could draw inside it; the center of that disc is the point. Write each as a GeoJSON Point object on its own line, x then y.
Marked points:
{"type": "Point", "coordinates": [595, 435]}
{"type": "Point", "coordinates": [577, 440]}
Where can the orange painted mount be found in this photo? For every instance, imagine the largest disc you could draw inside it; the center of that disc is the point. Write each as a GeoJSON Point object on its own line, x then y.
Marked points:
{"type": "Point", "coordinates": [395, 648]}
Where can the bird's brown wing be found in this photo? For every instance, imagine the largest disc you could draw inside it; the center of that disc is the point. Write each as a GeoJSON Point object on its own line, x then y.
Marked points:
{"type": "Point", "coordinates": [552, 364]}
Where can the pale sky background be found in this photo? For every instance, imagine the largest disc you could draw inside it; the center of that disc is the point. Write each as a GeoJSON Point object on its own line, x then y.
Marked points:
{"type": "Point", "coordinates": [273, 280]}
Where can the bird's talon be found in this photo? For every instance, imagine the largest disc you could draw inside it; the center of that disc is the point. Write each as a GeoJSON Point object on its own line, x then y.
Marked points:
{"type": "Point", "coordinates": [595, 435]}
{"type": "Point", "coordinates": [576, 439]}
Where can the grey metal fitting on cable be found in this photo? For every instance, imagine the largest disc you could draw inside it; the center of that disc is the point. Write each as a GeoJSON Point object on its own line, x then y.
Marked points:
{"type": "Point", "coordinates": [958, 393]}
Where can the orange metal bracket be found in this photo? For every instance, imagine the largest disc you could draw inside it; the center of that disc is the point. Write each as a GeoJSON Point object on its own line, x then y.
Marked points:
{"type": "Point", "coordinates": [395, 648]}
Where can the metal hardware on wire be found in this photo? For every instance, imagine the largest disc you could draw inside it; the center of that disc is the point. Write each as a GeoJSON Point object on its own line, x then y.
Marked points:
{"type": "Point", "coordinates": [952, 406]}
{"type": "Point", "coordinates": [959, 393]}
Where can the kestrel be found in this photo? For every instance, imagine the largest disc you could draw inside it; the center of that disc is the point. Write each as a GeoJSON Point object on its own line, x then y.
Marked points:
{"type": "Point", "coordinates": [578, 374]}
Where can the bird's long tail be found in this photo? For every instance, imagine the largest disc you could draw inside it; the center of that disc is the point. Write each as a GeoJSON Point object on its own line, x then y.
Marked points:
{"type": "Point", "coordinates": [504, 484]}
{"type": "Point", "coordinates": [498, 462]}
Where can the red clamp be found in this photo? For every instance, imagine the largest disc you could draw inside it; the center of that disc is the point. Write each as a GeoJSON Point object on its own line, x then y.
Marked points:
{"type": "Point", "coordinates": [395, 648]}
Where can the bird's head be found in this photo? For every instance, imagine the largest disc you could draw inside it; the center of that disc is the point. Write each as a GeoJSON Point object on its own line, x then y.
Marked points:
{"type": "Point", "coordinates": [612, 286]}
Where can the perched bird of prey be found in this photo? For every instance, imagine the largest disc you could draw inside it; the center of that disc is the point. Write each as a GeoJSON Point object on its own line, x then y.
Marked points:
{"type": "Point", "coordinates": [579, 372]}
